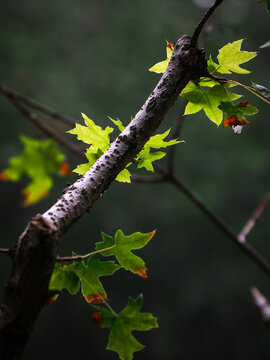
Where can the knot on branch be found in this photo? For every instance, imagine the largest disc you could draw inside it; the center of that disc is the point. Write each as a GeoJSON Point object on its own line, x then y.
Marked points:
{"type": "Point", "coordinates": [191, 58]}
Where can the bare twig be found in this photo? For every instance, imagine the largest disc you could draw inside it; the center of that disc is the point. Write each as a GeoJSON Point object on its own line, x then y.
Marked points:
{"type": "Point", "coordinates": [197, 31]}
{"type": "Point", "coordinates": [245, 247]}
{"type": "Point", "coordinates": [34, 104]}
{"type": "Point", "coordinates": [69, 258]}
{"type": "Point", "coordinates": [81, 257]}
{"type": "Point", "coordinates": [46, 128]}
{"type": "Point", "coordinates": [262, 305]}
{"type": "Point", "coordinates": [5, 251]}
{"type": "Point", "coordinates": [254, 218]}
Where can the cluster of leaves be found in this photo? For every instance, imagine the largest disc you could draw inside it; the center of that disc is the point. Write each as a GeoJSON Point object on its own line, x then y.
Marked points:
{"type": "Point", "coordinates": [39, 161]}
{"type": "Point", "coordinates": [85, 276]}
{"type": "Point", "coordinates": [99, 142]}
{"type": "Point", "coordinates": [214, 96]}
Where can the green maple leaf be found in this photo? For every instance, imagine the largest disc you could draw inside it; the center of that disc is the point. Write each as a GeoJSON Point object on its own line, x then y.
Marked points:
{"type": "Point", "coordinates": [239, 110]}
{"type": "Point", "coordinates": [89, 275]}
{"type": "Point", "coordinates": [122, 246]}
{"type": "Point", "coordinates": [99, 142]}
{"type": "Point", "coordinates": [129, 319]}
{"type": "Point", "coordinates": [39, 161]}
{"type": "Point", "coordinates": [146, 158]}
{"type": "Point", "coordinates": [231, 56]}
{"type": "Point", "coordinates": [118, 123]}
{"type": "Point", "coordinates": [63, 277]}
{"type": "Point", "coordinates": [161, 66]}
{"type": "Point", "coordinates": [93, 135]}
{"type": "Point", "coordinates": [209, 100]}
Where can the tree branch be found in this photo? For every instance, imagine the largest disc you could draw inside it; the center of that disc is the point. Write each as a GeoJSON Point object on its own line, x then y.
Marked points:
{"type": "Point", "coordinates": [197, 31]}
{"type": "Point", "coordinates": [36, 249]}
{"type": "Point", "coordinates": [6, 251]}
{"type": "Point", "coordinates": [262, 305]}
{"type": "Point", "coordinates": [254, 218]}
{"type": "Point", "coordinates": [46, 129]}
{"type": "Point", "coordinates": [34, 104]}
{"type": "Point", "coordinates": [245, 247]}
{"type": "Point", "coordinates": [186, 64]}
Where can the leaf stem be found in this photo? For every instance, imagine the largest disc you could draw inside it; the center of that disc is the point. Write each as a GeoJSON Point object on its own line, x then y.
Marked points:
{"type": "Point", "coordinates": [110, 308]}
{"type": "Point", "coordinates": [81, 257]}
{"type": "Point", "coordinates": [249, 88]}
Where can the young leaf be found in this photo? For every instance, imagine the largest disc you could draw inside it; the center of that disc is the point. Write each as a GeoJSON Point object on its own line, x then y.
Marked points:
{"type": "Point", "coordinates": [118, 123]}
{"type": "Point", "coordinates": [122, 250]}
{"type": "Point", "coordinates": [89, 275]}
{"type": "Point", "coordinates": [93, 135]}
{"type": "Point", "coordinates": [238, 110]}
{"type": "Point", "coordinates": [161, 66]}
{"type": "Point", "coordinates": [231, 56]}
{"type": "Point", "coordinates": [124, 176]}
{"type": "Point", "coordinates": [38, 162]}
{"type": "Point", "coordinates": [63, 277]}
{"type": "Point", "coordinates": [235, 114]}
{"type": "Point", "coordinates": [146, 158]}
{"type": "Point", "coordinates": [209, 100]}
{"type": "Point", "coordinates": [129, 319]}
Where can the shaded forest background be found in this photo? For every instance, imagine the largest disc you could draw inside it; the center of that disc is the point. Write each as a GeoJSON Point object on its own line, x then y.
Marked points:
{"type": "Point", "coordinates": [92, 57]}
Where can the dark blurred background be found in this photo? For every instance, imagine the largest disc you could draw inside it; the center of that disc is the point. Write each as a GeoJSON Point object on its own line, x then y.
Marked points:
{"type": "Point", "coordinates": [92, 57]}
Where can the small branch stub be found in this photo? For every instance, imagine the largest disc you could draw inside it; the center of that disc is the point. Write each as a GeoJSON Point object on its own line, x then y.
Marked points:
{"type": "Point", "coordinates": [262, 305]}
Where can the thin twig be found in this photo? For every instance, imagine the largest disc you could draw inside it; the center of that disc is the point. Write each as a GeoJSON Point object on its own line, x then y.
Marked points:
{"type": "Point", "coordinates": [201, 24]}
{"type": "Point", "coordinates": [46, 128]}
{"type": "Point", "coordinates": [262, 305]}
{"type": "Point", "coordinates": [34, 104]}
{"type": "Point", "coordinates": [5, 251]}
{"type": "Point", "coordinates": [245, 247]}
{"type": "Point", "coordinates": [81, 257]}
{"type": "Point", "coordinates": [254, 218]}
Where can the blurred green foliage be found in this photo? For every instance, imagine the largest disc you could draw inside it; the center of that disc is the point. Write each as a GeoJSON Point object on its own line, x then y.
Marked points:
{"type": "Point", "coordinates": [92, 57]}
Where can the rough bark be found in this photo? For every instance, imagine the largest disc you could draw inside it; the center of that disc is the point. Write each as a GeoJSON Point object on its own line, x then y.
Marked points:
{"type": "Point", "coordinates": [27, 289]}
{"type": "Point", "coordinates": [186, 64]}
{"type": "Point", "coordinates": [35, 251]}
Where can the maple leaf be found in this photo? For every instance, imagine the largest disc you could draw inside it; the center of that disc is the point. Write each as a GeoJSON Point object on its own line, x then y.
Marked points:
{"type": "Point", "coordinates": [209, 101]}
{"type": "Point", "coordinates": [236, 114]}
{"type": "Point", "coordinates": [64, 277]}
{"type": "Point", "coordinates": [89, 275]}
{"type": "Point", "coordinates": [118, 123]}
{"type": "Point", "coordinates": [230, 57]}
{"type": "Point", "coordinates": [38, 162]}
{"type": "Point", "coordinates": [146, 158]}
{"type": "Point", "coordinates": [99, 142]}
{"type": "Point", "coordinates": [161, 66]}
{"type": "Point", "coordinates": [122, 246]}
{"type": "Point", "coordinates": [93, 134]}
{"type": "Point", "coordinates": [129, 319]}
{"type": "Point", "coordinates": [239, 110]}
